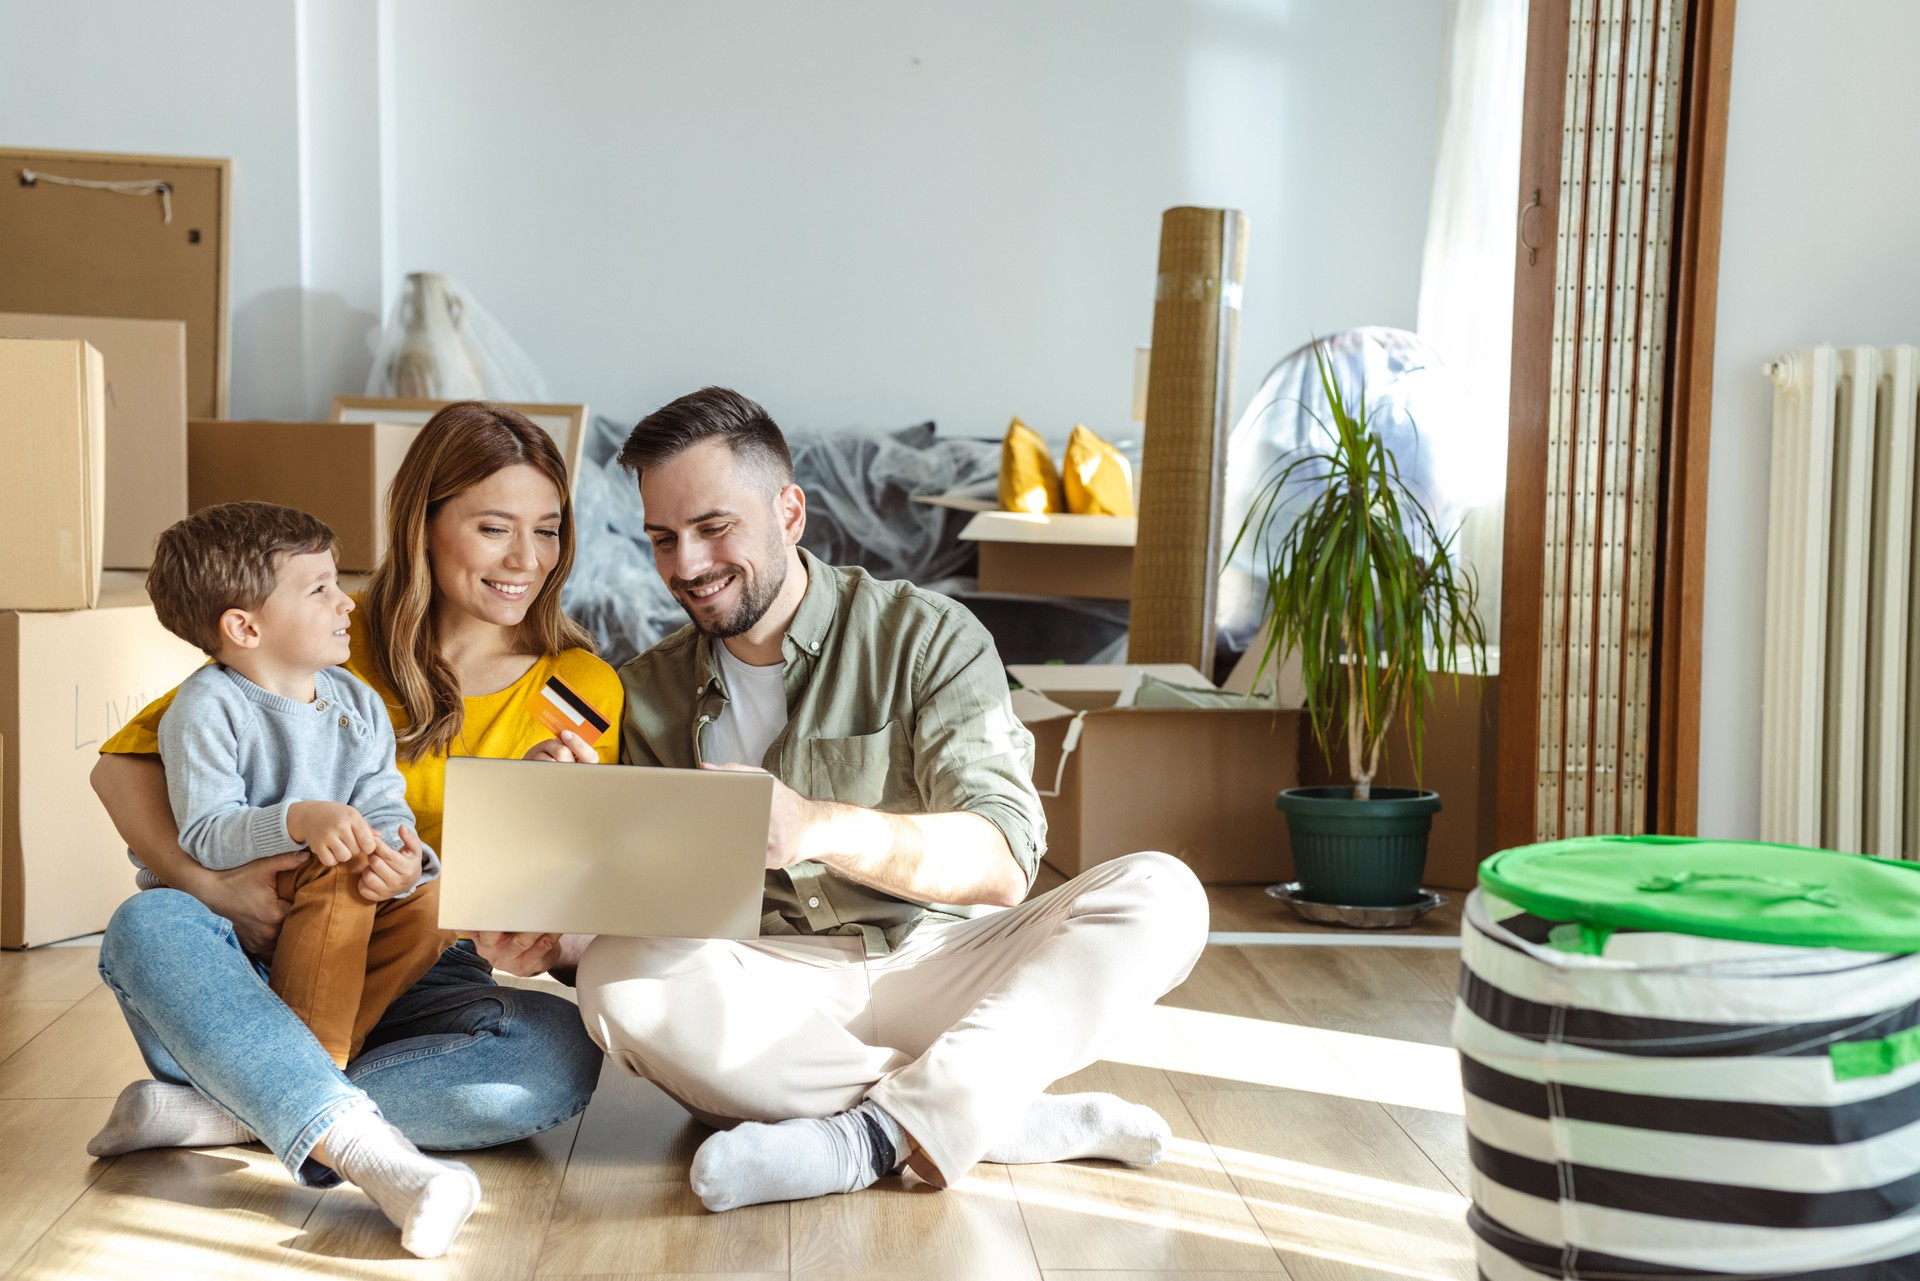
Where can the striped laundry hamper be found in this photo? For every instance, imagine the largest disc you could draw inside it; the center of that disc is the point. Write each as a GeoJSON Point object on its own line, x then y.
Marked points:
{"type": "Point", "coordinates": [1692, 1059]}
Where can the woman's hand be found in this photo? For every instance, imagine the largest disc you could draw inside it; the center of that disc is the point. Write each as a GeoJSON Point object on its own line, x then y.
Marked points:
{"type": "Point", "coordinates": [134, 791]}
{"type": "Point", "coordinates": [527, 954]}
{"type": "Point", "coordinates": [569, 749]}
{"type": "Point", "coordinates": [248, 896]}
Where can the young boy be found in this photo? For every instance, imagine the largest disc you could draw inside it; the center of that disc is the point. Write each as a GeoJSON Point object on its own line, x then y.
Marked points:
{"type": "Point", "coordinates": [274, 746]}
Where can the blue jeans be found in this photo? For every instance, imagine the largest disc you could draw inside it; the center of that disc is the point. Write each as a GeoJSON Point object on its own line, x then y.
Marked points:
{"type": "Point", "coordinates": [457, 1062]}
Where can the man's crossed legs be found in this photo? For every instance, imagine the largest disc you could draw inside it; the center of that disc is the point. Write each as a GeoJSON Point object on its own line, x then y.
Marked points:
{"type": "Point", "coordinates": [846, 1064]}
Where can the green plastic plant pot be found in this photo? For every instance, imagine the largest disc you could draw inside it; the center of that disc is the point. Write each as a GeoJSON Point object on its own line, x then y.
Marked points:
{"type": "Point", "coordinates": [1352, 853]}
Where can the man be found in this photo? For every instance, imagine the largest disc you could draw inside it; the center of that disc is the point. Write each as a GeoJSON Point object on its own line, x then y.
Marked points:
{"type": "Point", "coordinates": [888, 1013]}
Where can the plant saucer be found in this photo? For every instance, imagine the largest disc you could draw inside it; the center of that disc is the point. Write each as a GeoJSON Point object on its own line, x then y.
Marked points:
{"type": "Point", "coordinates": [1359, 918]}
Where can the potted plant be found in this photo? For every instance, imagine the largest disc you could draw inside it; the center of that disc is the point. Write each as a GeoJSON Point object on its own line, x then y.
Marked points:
{"type": "Point", "coordinates": [1365, 588]}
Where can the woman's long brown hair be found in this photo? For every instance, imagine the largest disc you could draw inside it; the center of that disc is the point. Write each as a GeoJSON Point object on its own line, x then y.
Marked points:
{"type": "Point", "coordinates": [458, 448]}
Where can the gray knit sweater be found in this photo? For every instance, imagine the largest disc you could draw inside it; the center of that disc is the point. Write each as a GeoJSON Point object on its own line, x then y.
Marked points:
{"type": "Point", "coordinates": [238, 757]}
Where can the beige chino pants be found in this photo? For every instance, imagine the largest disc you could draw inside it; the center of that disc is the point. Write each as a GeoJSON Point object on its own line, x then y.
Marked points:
{"type": "Point", "coordinates": [954, 1033]}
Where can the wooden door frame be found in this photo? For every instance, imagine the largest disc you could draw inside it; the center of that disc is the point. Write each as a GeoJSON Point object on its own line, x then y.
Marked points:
{"type": "Point", "coordinates": [1675, 738]}
{"type": "Point", "coordinates": [1681, 590]}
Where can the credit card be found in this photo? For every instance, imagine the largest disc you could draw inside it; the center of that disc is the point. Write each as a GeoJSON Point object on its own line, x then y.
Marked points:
{"type": "Point", "coordinates": [558, 708]}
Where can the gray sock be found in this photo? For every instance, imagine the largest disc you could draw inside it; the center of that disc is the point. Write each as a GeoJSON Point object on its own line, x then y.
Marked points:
{"type": "Point", "coordinates": [428, 1200]}
{"type": "Point", "coordinates": [1069, 1127]}
{"type": "Point", "coordinates": [154, 1114]}
{"type": "Point", "coordinates": [798, 1159]}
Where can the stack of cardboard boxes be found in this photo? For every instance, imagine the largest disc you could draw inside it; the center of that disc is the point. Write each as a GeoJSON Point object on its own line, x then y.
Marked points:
{"type": "Point", "coordinates": [94, 437]}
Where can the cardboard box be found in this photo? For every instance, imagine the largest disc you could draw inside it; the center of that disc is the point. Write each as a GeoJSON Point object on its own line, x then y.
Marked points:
{"type": "Point", "coordinates": [337, 471]}
{"type": "Point", "coordinates": [1196, 783]}
{"type": "Point", "coordinates": [146, 422]}
{"type": "Point", "coordinates": [567, 424]}
{"type": "Point", "coordinates": [53, 480]}
{"type": "Point", "coordinates": [67, 681]}
{"type": "Point", "coordinates": [1090, 557]}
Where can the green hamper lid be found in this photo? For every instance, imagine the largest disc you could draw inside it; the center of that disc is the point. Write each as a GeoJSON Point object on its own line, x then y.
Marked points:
{"type": "Point", "coordinates": [1744, 890]}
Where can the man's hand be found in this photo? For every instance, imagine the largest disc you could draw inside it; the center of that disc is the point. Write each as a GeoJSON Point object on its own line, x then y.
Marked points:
{"type": "Point", "coordinates": [390, 872]}
{"type": "Point", "coordinates": [568, 749]}
{"type": "Point", "coordinates": [249, 896]}
{"type": "Point", "coordinates": [332, 832]}
{"type": "Point", "coordinates": [529, 954]}
{"type": "Point", "coordinates": [894, 853]}
{"type": "Point", "coordinates": [790, 824]}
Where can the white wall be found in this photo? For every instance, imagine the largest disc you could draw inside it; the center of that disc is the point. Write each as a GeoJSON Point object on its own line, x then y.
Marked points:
{"type": "Point", "coordinates": [288, 91]}
{"type": "Point", "coordinates": [877, 211]}
{"type": "Point", "coordinates": [861, 211]}
{"type": "Point", "coordinates": [193, 78]}
{"type": "Point", "coordinates": [1818, 244]}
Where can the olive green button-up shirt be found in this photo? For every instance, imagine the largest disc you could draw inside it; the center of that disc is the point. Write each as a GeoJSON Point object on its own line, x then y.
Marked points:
{"type": "Point", "coordinates": [896, 700]}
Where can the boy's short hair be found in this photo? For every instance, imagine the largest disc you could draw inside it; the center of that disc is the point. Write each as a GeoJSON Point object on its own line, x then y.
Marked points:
{"type": "Point", "coordinates": [226, 557]}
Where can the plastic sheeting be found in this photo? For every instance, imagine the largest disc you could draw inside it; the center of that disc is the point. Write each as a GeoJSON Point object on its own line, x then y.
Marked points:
{"type": "Point", "coordinates": [441, 344]}
{"type": "Point", "coordinates": [859, 487]}
{"type": "Point", "coordinates": [1413, 402]}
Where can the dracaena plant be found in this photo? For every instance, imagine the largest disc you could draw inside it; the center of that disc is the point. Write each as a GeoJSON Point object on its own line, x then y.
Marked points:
{"type": "Point", "coordinates": [1361, 584]}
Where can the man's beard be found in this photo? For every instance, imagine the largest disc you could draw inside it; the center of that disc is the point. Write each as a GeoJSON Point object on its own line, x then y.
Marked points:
{"type": "Point", "coordinates": [757, 592]}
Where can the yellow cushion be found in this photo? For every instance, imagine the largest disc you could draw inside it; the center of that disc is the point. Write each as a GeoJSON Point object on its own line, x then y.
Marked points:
{"type": "Point", "coordinates": [1028, 481]}
{"type": "Point", "coordinates": [1099, 480]}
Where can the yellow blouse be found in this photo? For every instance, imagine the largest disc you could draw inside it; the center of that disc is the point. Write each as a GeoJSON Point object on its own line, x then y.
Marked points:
{"type": "Point", "coordinates": [500, 724]}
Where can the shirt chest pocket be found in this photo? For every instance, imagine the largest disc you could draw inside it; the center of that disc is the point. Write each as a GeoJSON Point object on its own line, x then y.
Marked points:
{"type": "Point", "coordinates": [874, 770]}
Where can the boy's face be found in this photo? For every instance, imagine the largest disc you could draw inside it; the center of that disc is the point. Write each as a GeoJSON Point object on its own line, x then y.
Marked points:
{"type": "Point", "coordinates": [303, 624]}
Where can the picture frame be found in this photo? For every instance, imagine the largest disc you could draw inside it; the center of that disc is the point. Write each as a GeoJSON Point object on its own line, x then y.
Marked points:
{"type": "Point", "coordinates": [567, 424]}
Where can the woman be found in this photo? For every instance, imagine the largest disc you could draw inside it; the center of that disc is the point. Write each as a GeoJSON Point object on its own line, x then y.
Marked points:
{"type": "Point", "coordinates": [459, 631]}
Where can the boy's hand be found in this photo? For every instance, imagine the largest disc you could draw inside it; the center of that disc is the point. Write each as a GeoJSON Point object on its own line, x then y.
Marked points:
{"type": "Point", "coordinates": [333, 832]}
{"type": "Point", "coordinates": [392, 872]}
{"type": "Point", "coordinates": [569, 748]}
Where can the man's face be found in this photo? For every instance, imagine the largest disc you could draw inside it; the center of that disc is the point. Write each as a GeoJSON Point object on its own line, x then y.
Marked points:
{"type": "Point", "coordinates": [720, 535]}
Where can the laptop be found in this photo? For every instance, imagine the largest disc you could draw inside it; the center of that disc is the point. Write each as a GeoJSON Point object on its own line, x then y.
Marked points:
{"type": "Point", "coordinates": [547, 847]}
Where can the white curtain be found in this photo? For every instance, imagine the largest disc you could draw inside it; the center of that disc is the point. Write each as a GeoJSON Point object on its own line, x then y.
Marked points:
{"type": "Point", "coordinates": [1466, 275]}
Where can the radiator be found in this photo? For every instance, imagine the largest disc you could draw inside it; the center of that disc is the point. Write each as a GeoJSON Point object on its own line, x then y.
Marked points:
{"type": "Point", "coordinates": [1840, 737]}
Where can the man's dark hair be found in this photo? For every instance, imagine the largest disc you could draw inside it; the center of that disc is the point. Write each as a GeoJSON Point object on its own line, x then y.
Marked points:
{"type": "Point", "coordinates": [712, 413]}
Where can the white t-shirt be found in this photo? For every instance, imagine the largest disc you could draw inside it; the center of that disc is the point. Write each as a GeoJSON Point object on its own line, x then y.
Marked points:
{"type": "Point", "coordinates": [755, 713]}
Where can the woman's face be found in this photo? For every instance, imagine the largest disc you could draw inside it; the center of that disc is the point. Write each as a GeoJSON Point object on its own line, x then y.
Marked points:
{"type": "Point", "coordinates": [492, 546]}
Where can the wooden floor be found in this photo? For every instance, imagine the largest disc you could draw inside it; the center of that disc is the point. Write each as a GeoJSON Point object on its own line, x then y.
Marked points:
{"type": "Point", "coordinates": [1315, 1106]}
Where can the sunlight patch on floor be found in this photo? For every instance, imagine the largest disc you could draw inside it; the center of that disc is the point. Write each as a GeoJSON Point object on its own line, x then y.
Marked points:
{"type": "Point", "coordinates": [1318, 1179]}
{"type": "Point", "coordinates": [1232, 1048]}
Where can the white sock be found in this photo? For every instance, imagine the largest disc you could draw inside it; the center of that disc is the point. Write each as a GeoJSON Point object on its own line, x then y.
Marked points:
{"type": "Point", "coordinates": [427, 1200]}
{"type": "Point", "coordinates": [154, 1114]}
{"type": "Point", "coordinates": [1068, 1127]}
{"type": "Point", "coordinates": [794, 1160]}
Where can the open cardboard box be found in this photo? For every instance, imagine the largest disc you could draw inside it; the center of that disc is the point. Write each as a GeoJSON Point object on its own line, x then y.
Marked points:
{"type": "Point", "coordinates": [1088, 557]}
{"type": "Point", "coordinates": [1196, 783]}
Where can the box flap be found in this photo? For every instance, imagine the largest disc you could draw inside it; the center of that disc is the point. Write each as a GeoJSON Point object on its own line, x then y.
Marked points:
{"type": "Point", "coordinates": [1025, 527]}
{"type": "Point", "coordinates": [1081, 686]}
{"type": "Point", "coordinates": [1033, 707]}
{"type": "Point", "coordinates": [1281, 685]}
